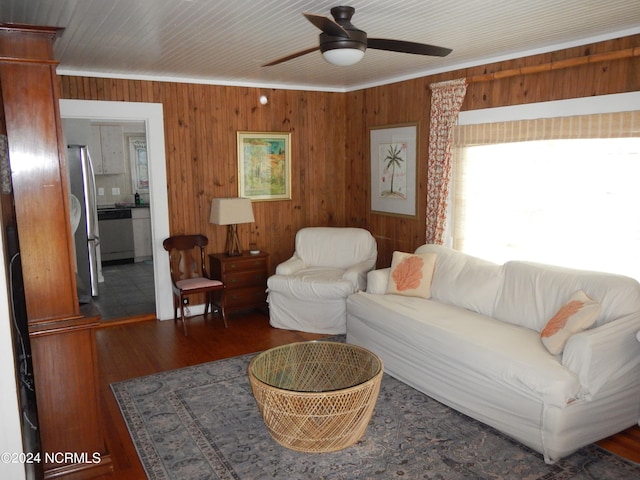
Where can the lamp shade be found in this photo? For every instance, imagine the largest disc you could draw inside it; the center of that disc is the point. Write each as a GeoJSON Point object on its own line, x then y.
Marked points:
{"type": "Point", "coordinates": [231, 211]}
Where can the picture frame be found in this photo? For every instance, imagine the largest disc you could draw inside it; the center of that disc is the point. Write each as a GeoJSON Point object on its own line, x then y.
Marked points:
{"type": "Point", "coordinates": [393, 152]}
{"type": "Point", "coordinates": [139, 159]}
{"type": "Point", "coordinates": [264, 165]}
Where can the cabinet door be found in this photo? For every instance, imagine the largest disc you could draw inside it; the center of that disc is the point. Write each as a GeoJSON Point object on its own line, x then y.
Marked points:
{"type": "Point", "coordinates": [112, 141]}
{"type": "Point", "coordinates": [95, 150]}
{"type": "Point", "coordinates": [141, 233]}
{"type": "Point", "coordinates": [107, 149]}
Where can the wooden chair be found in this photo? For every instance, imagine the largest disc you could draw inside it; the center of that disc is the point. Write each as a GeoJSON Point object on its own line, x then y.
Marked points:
{"type": "Point", "coordinates": [189, 275]}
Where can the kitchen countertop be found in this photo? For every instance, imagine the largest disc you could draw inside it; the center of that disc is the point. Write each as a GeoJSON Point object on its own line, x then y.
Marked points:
{"type": "Point", "coordinates": [120, 206]}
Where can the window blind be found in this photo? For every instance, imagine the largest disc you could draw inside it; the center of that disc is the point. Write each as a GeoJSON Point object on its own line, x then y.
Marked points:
{"type": "Point", "coordinates": [604, 125]}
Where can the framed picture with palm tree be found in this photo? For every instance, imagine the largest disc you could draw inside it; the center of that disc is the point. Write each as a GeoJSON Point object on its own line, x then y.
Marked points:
{"type": "Point", "coordinates": [393, 152]}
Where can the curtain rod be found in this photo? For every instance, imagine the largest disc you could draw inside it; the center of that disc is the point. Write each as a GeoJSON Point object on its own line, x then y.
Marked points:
{"type": "Point", "coordinates": [557, 65]}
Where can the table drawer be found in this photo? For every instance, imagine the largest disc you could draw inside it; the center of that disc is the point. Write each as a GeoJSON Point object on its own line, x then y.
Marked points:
{"type": "Point", "coordinates": [245, 279]}
{"type": "Point", "coordinates": [245, 297]}
{"type": "Point", "coordinates": [244, 264]}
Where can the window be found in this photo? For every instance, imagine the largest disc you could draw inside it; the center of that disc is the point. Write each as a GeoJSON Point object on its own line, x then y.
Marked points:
{"type": "Point", "coordinates": [573, 202]}
{"type": "Point", "coordinates": [563, 191]}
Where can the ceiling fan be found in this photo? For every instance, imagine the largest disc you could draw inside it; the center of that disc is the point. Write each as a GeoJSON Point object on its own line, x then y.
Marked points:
{"type": "Point", "coordinates": [341, 43]}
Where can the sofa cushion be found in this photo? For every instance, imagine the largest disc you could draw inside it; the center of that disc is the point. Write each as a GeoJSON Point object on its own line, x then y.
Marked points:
{"type": "Point", "coordinates": [377, 281]}
{"type": "Point", "coordinates": [604, 354]}
{"type": "Point", "coordinates": [507, 354]}
{"type": "Point", "coordinates": [411, 274]}
{"type": "Point", "coordinates": [578, 314]}
{"type": "Point", "coordinates": [463, 280]}
{"type": "Point", "coordinates": [532, 293]}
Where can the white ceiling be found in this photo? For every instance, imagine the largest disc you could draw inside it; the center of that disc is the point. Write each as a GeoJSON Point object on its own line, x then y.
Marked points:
{"type": "Point", "coordinates": [227, 41]}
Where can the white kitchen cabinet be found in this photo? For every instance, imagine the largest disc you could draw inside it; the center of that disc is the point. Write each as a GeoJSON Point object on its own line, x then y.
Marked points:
{"type": "Point", "coordinates": [142, 246]}
{"type": "Point", "coordinates": [107, 152]}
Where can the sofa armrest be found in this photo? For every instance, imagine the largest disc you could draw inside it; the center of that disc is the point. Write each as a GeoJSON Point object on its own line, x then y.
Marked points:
{"type": "Point", "coordinates": [289, 267]}
{"type": "Point", "coordinates": [357, 274]}
{"type": "Point", "coordinates": [377, 281]}
{"type": "Point", "coordinates": [604, 353]}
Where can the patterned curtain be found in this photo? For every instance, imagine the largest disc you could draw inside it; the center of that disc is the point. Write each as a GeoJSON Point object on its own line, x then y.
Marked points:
{"type": "Point", "coordinates": [446, 101]}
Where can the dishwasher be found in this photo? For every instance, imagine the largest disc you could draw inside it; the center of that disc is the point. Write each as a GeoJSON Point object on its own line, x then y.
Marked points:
{"type": "Point", "coordinates": [116, 235]}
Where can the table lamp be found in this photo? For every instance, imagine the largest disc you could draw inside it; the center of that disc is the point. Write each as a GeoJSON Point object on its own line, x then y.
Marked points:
{"type": "Point", "coordinates": [231, 212]}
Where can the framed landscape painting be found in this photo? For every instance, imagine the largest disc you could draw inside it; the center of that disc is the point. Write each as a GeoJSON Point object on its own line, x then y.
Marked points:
{"type": "Point", "coordinates": [393, 152]}
{"type": "Point", "coordinates": [264, 165]}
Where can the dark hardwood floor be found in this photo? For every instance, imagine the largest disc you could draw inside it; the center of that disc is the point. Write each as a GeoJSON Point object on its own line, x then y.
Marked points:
{"type": "Point", "coordinates": [133, 348]}
{"type": "Point", "coordinates": [130, 349]}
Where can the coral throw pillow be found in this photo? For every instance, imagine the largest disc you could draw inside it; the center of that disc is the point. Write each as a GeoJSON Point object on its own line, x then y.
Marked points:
{"type": "Point", "coordinates": [411, 274]}
{"type": "Point", "coordinates": [578, 314]}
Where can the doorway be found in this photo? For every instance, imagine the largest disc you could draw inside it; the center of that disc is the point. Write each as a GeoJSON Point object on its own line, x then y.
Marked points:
{"type": "Point", "coordinates": [123, 273]}
{"type": "Point", "coordinates": [152, 116]}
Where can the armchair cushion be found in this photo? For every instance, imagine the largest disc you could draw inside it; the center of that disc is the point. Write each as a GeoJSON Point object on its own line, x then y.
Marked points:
{"type": "Point", "coordinates": [315, 282]}
{"type": "Point", "coordinates": [289, 267]}
{"type": "Point", "coordinates": [335, 247]}
{"type": "Point", "coordinates": [357, 275]}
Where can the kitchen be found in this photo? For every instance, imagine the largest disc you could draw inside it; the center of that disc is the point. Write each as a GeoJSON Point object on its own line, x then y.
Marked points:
{"type": "Point", "coordinates": [123, 265]}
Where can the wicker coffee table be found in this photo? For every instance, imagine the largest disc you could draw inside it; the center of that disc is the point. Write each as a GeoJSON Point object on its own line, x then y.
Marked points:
{"type": "Point", "coordinates": [316, 396]}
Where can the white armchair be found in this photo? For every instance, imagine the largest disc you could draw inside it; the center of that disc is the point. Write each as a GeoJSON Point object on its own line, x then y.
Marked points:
{"type": "Point", "coordinates": [309, 291]}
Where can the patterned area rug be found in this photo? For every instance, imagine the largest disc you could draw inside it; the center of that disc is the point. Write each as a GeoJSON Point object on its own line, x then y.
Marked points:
{"type": "Point", "coordinates": [202, 422]}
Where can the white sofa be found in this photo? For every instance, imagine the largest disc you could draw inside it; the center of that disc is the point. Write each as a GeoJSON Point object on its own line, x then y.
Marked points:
{"type": "Point", "coordinates": [475, 346]}
{"type": "Point", "coordinates": [309, 290]}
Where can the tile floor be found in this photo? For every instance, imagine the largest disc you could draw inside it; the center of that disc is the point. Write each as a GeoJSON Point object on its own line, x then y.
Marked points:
{"type": "Point", "coordinates": [127, 290]}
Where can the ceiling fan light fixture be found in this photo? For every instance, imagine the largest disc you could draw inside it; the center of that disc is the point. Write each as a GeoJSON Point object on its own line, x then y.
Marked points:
{"type": "Point", "coordinates": [342, 44]}
{"type": "Point", "coordinates": [343, 57]}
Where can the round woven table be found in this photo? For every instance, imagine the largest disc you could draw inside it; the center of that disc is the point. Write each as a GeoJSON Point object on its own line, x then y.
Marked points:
{"type": "Point", "coordinates": [316, 396]}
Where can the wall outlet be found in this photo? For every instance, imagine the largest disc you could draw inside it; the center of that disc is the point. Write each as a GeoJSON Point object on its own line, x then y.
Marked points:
{"type": "Point", "coordinates": [101, 191]}
{"type": "Point", "coordinates": [115, 191]}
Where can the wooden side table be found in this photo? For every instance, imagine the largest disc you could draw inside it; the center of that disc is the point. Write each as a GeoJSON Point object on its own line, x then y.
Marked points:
{"type": "Point", "coordinates": [245, 277]}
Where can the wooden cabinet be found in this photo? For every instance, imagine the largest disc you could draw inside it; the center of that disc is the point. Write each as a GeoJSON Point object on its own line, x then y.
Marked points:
{"type": "Point", "coordinates": [107, 152]}
{"type": "Point", "coordinates": [245, 278]}
{"type": "Point", "coordinates": [142, 245]}
{"type": "Point", "coordinates": [66, 377]}
{"type": "Point", "coordinates": [62, 337]}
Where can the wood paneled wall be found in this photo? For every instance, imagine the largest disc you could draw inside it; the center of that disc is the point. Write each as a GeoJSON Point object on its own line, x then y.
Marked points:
{"type": "Point", "coordinates": [201, 123]}
{"type": "Point", "coordinates": [409, 101]}
{"type": "Point", "coordinates": [330, 140]}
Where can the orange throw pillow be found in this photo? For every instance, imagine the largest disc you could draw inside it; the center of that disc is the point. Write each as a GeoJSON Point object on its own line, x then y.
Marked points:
{"type": "Point", "coordinates": [411, 274]}
{"type": "Point", "coordinates": [578, 314]}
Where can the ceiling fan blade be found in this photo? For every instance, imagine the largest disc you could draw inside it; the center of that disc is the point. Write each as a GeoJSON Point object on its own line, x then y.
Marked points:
{"type": "Point", "coordinates": [327, 25]}
{"type": "Point", "coordinates": [407, 47]}
{"type": "Point", "coordinates": [291, 57]}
